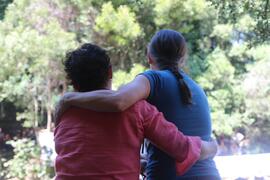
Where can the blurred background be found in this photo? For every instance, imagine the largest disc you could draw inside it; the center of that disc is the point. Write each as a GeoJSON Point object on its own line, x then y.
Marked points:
{"type": "Point", "coordinates": [229, 56]}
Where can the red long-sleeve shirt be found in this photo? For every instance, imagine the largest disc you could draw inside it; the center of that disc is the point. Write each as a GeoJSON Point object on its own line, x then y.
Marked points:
{"type": "Point", "coordinates": [94, 145]}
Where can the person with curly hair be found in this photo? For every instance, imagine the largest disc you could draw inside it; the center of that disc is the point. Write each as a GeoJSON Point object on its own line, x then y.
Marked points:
{"type": "Point", "coordinates": [98, 145]}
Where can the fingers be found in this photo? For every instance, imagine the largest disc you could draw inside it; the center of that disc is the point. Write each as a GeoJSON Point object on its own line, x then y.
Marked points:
{"type": "Point", "coordinates": [59, 109]}
{"type": "Point", "coordinates": [208, 149]}
{"type": "Point", "coordinates": [56, 114]}
{"type": "Point", "coordinates": [215, 146]}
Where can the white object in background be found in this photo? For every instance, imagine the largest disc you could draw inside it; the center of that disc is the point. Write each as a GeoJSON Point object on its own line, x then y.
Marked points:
{"type": "Point", "coordinates": [245, 166]}
{"type": "Point", "coordinates": [46, 141]}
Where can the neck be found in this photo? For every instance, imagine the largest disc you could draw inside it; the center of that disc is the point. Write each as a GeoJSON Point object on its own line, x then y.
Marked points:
{"type": "Point", "coordinates": [154, 67]}
{"type": "Point", "coordinates": [108, 85]}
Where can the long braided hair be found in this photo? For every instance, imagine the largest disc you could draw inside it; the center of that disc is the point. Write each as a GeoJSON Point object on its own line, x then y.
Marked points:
{"type": "Point", "coordinates": [168, 48]}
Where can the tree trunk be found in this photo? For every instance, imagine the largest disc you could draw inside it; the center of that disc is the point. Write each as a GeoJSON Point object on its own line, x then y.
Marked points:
{"type": "Point", "coordinates": [36, 112]}
{"type": "Point", "coordinates": [49, 106]}
{"type": "Point", "coordinates": [49, 117]}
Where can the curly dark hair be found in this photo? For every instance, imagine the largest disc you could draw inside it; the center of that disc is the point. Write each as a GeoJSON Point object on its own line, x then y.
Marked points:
{"type": "Point", "coordinates": [87, 67]}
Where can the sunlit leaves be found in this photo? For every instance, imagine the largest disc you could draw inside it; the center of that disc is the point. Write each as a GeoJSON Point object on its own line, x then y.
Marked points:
{"type": "Point", "coordinates": [121, 77]}
{"type": "Point", "coordinates": [246, 24]}
{"type": "Point", "coordinates": [260, 52]}
{"type": "Point", "coordinates": [26, 162]}
{"type": "Point", "coordinates": [177, 11]}
{"type": "Point", "coordinates": [120, 23]}
{"type": "Point", "coordinates": [228, 43]}
{"type": "Point", "coordinates": [33, 47]}
{"type": "Point", "coordinates": [257, 89]}
{"type": "Point", "coordinates": [223, 31]}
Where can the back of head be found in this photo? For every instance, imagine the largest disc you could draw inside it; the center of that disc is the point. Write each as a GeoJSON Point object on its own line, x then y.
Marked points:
{"type": "Point", "coordinates": [87, 67]}
{"type": "Point", "coordinates": [168, 49]}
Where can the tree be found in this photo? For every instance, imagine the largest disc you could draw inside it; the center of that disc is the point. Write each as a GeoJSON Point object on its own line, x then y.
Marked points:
{"type": "Point", "coordinates": [257, 90]}
{"type": "Point", "coordinates": [227, 42]}
{"type": "Point", "coordinates": [26, 163]}
{"type": "Point", "coordinates": [32, 57]}
{"type": "Point", "coordinates": [3, 6]}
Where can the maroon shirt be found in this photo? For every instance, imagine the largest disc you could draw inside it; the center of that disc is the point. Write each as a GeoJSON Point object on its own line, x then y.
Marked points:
{"type": "Point", "coordinates": [94, 145]}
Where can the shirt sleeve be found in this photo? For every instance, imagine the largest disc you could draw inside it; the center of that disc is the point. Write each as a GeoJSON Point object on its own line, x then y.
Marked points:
{"type": "Point", "coordinates": [154, 80]}
{"type": "Point", "coordinates": [165, 135]}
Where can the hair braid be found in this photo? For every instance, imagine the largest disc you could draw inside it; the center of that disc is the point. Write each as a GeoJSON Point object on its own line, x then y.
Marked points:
{"type": "Point", "coordinates": [184, 89]}
{"type": "Point", "coordinates": [168, 48]}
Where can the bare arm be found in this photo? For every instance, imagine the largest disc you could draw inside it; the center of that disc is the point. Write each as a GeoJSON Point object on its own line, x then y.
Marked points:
{"type": "Point", "coordinates": [112, 101]}
{"type": "Point", "coordinates": [106, 100]}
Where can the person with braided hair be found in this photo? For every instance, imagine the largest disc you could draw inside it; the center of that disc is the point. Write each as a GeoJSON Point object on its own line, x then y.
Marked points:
{"type": "Point", "coordinates": [181, 100]}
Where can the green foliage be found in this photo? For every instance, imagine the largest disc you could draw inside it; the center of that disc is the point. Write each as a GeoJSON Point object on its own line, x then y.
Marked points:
{"type": "Point", "coordinates": [228, 43]}
{"type": "Point", "coordinates": [2, 169]}
{"type": "Point", "coordinates": [193, 18]}
{"type": "Point", "coordinates": [31, 50]}
{"type": "Point", "coordinates": [224, 98]}
{"type": "Point", "coordinates": [257, 90]}
{"type": "Point", "coordinates": [3, 5]}
{"type": "Point", "coordinates": [246, 24]}
{"type": "Point", "coordinates": [121, 77]}
{"type": "Point", "coordinates": [252, 13]}
{"type": "Point", "coordinates": [260, 53]}
{"type": "Point", "coordinates": [120, 22]}
{"type": "Point", "coordinates": [223, 31]}
{"type": "Point", "coordinates": [168, 11]}
{"type": "Point", "coordinates": [219, 73]}
{"type": "Point", "coordinates": [26, 163]}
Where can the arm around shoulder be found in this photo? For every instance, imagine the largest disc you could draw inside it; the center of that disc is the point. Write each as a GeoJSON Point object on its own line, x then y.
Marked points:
{"type": "Point", "coordinates": [129, 94]}
{"type": "Point", "coordinates": [165, 135]}
{"type": "Point", "coordinates": [108, 100]}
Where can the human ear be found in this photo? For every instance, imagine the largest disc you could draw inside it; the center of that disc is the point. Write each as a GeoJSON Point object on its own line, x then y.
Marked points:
{"type": "Point", "coordinates": [110, 73]}
{"type": "Point", "coordinates": [150, 59]}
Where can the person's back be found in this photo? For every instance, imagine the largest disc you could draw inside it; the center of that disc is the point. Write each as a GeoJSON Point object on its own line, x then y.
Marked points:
{"type": "Point", "coordinates": [92, 145]}
{"type": "Point", "coordinates": [95, 145]}
{"type": "Point", "coordinates": [193, 119]}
